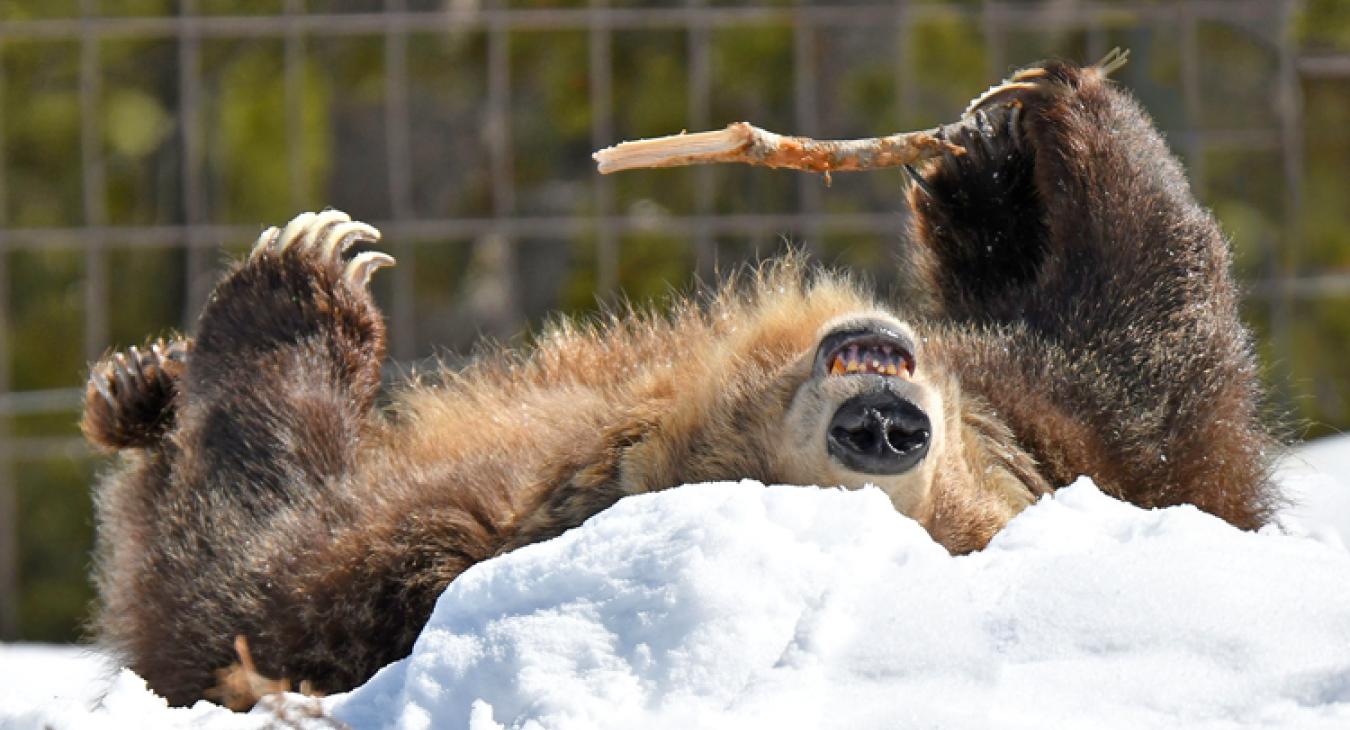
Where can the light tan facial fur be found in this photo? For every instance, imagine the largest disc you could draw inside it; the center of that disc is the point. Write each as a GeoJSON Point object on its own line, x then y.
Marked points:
{"type": "Point", "coordinates": [808, 461]}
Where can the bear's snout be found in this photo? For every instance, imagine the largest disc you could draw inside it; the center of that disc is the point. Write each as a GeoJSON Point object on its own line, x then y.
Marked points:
{"type": "Point", "coordinates": [879, 432]}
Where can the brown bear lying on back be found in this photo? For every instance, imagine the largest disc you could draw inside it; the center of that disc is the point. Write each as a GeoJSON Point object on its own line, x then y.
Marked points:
{"type": "Point", "coordinates": [1070, 312]}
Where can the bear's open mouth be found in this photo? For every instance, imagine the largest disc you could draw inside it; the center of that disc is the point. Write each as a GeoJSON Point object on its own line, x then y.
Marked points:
{"type": "Point", "coordinates": [870, 351]}
{"type": "Point", "coordinates": [863, 359]}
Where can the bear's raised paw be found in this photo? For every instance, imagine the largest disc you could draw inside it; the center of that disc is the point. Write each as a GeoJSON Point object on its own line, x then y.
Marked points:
{"type": "Point", "coordinates": [1044, 81]}
{"type": "Point", "coordinates": [299, 300]}
{"type": "Point", "coordinates": [324, 238]}
{"type": "Point", "coordinates": [129, 400]}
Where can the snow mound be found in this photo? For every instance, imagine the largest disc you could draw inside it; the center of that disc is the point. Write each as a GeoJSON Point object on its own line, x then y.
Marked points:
{"type": "Point", "coordinates": [1316, 480]}
{"type": "Point", "coordinates": [737, 605]}
{"type": "Point", "coordinates": [68, 687]}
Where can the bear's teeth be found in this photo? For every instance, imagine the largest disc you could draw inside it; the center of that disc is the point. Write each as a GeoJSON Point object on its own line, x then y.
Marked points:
{"type": "Point", "coordinates": [878, 360]}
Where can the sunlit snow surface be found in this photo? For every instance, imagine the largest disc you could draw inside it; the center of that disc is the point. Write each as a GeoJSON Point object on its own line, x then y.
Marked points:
{"type": "Point", "coordinates": [738, 605]}
{"type": "Point", "coordinates": [1316, 478]}
{"type": "Point", "coordinates": [735, 606]}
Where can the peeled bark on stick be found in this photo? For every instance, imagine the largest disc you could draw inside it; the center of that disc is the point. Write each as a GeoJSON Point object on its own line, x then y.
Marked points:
{"type": "Point", "coordinates": [744, 142]}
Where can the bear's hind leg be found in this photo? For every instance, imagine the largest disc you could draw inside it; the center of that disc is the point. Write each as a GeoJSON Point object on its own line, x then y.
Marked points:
{"type": "Point", "coordinates": [287, 361]}
{"type": "Point", "coordinates": [269, 415]}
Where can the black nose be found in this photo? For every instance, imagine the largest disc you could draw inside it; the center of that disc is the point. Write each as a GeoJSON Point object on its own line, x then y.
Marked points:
{"type": "Point", "coordinates": [879, 433]}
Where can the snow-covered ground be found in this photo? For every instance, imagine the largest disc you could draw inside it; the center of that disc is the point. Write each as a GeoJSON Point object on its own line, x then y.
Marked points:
{"type": "Point", "coordinates": [738, 605]}
{"type": "Point", "coordinates": [1316, 478]}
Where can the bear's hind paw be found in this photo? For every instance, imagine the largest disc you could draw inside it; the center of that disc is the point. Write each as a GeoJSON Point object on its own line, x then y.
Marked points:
{"type": "Point", "coordinates": [300, 281]}
{"type": "Point", "coordinates": [359, 269]}
{"type": "Point", "coordinates": [325, 236]}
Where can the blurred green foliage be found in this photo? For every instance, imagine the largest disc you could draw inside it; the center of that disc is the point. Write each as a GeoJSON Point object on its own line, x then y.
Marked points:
{"type": "Point", "coordinates": [272, 145]}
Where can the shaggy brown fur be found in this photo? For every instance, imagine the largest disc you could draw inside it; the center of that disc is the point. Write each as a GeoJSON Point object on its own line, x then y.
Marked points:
{"type": "Point", "coordinates": [1071, 313]}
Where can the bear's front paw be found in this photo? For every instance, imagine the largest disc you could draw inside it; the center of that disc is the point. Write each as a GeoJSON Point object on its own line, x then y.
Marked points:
{"type": "Point", "coordinates": [984, 187]}
{"type": "Point", "coordinates": [1036, 90]}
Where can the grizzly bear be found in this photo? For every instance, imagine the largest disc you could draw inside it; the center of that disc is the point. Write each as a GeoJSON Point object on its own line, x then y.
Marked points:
{"type": "Point", "coordinates": [1069, 310]}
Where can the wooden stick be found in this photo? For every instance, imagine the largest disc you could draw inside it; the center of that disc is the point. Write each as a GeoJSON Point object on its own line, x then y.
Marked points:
{"type": "Point", "coordinates": [744, 142]}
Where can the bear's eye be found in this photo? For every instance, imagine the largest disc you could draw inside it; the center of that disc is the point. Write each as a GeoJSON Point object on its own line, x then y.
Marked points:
{"type": "Point", "coordinates": [871, 360]}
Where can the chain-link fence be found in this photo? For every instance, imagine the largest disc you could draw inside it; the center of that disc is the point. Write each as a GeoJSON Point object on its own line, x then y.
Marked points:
{"type": "Point", "coordinates": [142, 139]}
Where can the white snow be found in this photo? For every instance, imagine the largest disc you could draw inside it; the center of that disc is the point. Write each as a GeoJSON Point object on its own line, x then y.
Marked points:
{"type": "Point", "coordinates": [61, 687]}
{"type": "Point", "coordinates": [1316, 478]}
{"type": "Point", "coordinates": [737, 605]}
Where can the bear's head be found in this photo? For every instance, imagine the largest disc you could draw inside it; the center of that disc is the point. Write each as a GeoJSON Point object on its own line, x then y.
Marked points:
{"type": "Point", "coordinates": [802, 377]}
{"type": "Point", "coordinates": [866, 411]}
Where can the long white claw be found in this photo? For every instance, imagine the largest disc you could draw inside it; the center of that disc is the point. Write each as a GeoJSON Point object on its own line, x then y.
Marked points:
{"type": "Point", "coordinates": [137, 359]}
{"type": "Point", "coordinates": [364, 264]}
{"type": "Point", "coordinates": [122, 373]}
{"type": "Point", "coordinates": [292, 231]}
{"type": "Point", "coordinates": [998, 93]}
{"type": "Point", "coordinates": [101, 383]}
{"type": "Point", "coordinates": [266, 240]}
{"type": "Point", "coordinates": [318, 228]}
{"type": "Point", "coordinates": [340, 237]}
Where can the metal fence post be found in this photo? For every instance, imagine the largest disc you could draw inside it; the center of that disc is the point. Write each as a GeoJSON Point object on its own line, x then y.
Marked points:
{"type": "Point", "coordinates": [9, 507]}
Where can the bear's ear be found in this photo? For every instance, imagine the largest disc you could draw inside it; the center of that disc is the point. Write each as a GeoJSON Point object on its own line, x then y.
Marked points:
{"type": "Point", "coordinates": [971, 508]}
{"type": "Point", "coordinates": [618, 446]}
{"type": "Point", "coordinates": [586, 483]}
{"type": "Point", "coordinates": [1002, 467]}
{"type": "Point", "coordinates": [984, 480]}
{"type": "Point", "coordinates": [1012, 489]}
